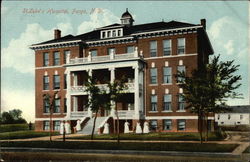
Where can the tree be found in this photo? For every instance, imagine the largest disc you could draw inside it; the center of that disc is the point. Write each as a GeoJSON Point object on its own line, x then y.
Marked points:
{"type": "Point", "coordinates": [12, 117]}
{"type": "Point", "coordinates": [208, 88]}
{"type": "Point", "coordinates": [51, 100]}
{"type": "Point", "coordinates": [116, 91]}
{"type": "Point", "coordinates": [97, 99]}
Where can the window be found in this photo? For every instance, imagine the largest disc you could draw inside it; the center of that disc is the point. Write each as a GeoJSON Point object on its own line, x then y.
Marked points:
{"type": "Point", "coordinates": [167, 124]}
{"type": "Point", "coordinates": [65, 81]}
{"type": "Point", "coordinates": [181, 46]}
{"type": "Point", "coordinates": [65, 105]}
{"type": "Point", "coordinates": [66, 53]}
{"type": "Point", "coordinates": [229, 116]}
{"type": "Point", "coordinates": [46, 59]}
{"type": "Point", "coordinates": [57, 106]}
{"type": "Point", "coordinates": [130, 49]}
{"type": "Point", "coordinates": [45, 125]}
{"type": "Point", "coordinates": [153, 48]}
{"type": "Point", "coordinates": [181, 125]}
{"type": "Point", "coordinates": [109, 34]}
{"type": "Point", "coordinates": [180, 69]}
{"type": "Point", "coordinates": [46, 106]}
{"type": "Point", "coordinates": [153, 103]}
{"type": "Point", "coordinates": [56, 125]}
{"type": "Point", "coordinates": [56, 82]}
{"type": "Point", "coordinates": [103, 34]}
{"type": "Point", "coordinates": [241, 117]}
{"type": "Point", "coordinates": [167, 102]}
{"type": "Point", "coordinates": [93, 53]}
{"type": "Point", "coordinates": [153, 125]}
{"type": "Point", "coordinates": [119, 33]}
{"type": "Point", "coordinates": [167, 75]}
{"type": "Point", "coordinates": [56, 58]}
{"type": "Point", "coordinates": [218, 117]}
{"type": "Point", "coordinates": [153, 75]}
{"type": "Point", "coordinates": [45, 82]}
{"type": "Point", "coordinates": [110, 50]}
{"type": "Point", "coordinates": [114, 33]}
{"type": "Point", "coordinates": [166, 47]}
{"type": "Point", "coordinates": [181, 103]}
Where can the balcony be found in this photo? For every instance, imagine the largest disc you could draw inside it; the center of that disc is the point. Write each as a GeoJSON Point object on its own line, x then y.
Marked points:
{"type": "Point", "coordinates": [79, 114]}
{"type": "Point", "coordinates": [106, 58]}
{"type": "Point", "coordinates": [77, 90]}
{"type": "Point", "coordinates": [126, 114]}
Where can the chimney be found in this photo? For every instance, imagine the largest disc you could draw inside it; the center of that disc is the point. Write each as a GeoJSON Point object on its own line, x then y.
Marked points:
{"type": "Point", "coordinates": [57, 33]}
{"type": "Point", "coordinates": [203, 23]}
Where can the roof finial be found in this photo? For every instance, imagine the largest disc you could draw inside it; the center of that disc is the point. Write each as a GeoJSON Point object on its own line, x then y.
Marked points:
{"type": "Point", "coordinates": [162, 20]}
{"type": "Point", "coordinates": [126, 9]}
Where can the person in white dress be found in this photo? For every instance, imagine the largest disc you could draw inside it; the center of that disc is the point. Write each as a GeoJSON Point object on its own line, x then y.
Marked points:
{"type": "Point", "coordinates": [145, 127]}
{"type": "Point", "coordinates": [138, 128]}
{"type": "Point", "coordinates": [106, 128]}
{"type": "Point", "coordinates": [67, 128]}
{"type": "Point", "coordinates": [61, 127]}
{"type": "Point", "coordinates": [78, 125]}
{"type": "Point", "coordinates": [126, 127]}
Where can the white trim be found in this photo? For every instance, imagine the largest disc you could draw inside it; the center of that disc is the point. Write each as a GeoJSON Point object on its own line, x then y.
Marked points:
{"type": "Point", "coordinates": [164, 84]}
{"type": "Point", "coordinates": [48, 44]}
{"type": "Point", "coordinates": [53, 119]}
{"type": "Point", "coordinates": [151, 58]}
{"type": "Point", "coordinates": [158, 31]}
{"type": "Point", "coordinates": [107, 40]}
{"type": "Point", "coordinates": [174, 117]}
{"type": "Point", "coordinates": [166, 111]}
{"type": "Point", "coordinates": [48, 67]}
{"type": "Point", "coordinates": [153, 111]}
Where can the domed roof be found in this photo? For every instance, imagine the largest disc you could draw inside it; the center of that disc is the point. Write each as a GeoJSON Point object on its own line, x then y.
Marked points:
{"type": "Point", "coordinates": [126, 14]}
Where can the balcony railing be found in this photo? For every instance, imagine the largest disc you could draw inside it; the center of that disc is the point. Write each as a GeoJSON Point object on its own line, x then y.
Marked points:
{"type": "Point", "coordinates": [79, 114]}
{"type": "Point", "coordinates": [110, 57]}
{"type": "Point", "coordinates": [125, 113]}
{"type": "Point", "coordinates": [82, 89]}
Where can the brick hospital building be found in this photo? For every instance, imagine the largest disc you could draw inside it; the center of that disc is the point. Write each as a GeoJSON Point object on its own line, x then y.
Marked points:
{"type": "Point", "coordinates": [149, 55]}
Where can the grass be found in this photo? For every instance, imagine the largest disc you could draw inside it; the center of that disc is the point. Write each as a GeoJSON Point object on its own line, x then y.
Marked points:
{"type": "Point", "coordinates": [13, 127]}
{"type": "Point", "coordinates": [23, 134]}
{"type": "Point", "coordinates": [157, 136]}
{"type": "Point", "coordinates": [189, 147]}
{"type": "Point", "coordinates": [45, 156]}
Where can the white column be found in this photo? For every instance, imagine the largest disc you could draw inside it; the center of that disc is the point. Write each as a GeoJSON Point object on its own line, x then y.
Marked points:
{"type": "Point", "coordinates": [89, 57]}
{"type": "Point", "coordinates": [112, 54]}
{"type": "Point", "coordinates": [68, 94]}
{"type": "Point", "coordinates": [89, 97]}
{"type": "Point", "coordinates": [67, 58]}
{"type": "Point", "coordinates": [136, 52]}
{"type": "Point", "coordinates": [112, 79]}
{"type": "Point", "coordinates": [74, 79]}
{"type": "Point", "coordinates": [136, 94]}
{"type": "Point", "coordinates": [75, 104]}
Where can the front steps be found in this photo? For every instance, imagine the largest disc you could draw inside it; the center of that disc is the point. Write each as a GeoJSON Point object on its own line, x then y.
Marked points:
{"type": "Point", "coordinates": [100, 121]}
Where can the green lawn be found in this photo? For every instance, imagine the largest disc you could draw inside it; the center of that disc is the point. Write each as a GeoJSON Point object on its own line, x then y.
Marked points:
{"type": "Point", "coordinates": [23, 134]}
{"type": "Point", "coordinates": [190, 147]}
{"type": "Point", "coordinates": [157, 136]}
{"type": "Point", "coordinates": [14, 127]}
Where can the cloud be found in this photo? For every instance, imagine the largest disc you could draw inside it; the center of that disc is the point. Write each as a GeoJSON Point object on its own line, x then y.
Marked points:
{"type": "Point", "coordinates": [17, 100]}
{"type": "Point", "coordinates": [227, 35]}
{"type": "Point", "coordinates": [18, 55]}
{"type": "Point", "coordinates": [229, 47]}
{"type": "Point", "coordinates": [104, 18]}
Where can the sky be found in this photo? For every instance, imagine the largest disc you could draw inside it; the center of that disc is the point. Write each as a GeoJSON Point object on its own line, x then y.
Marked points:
{"type": "Point", "coordinates": [29, 22]}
